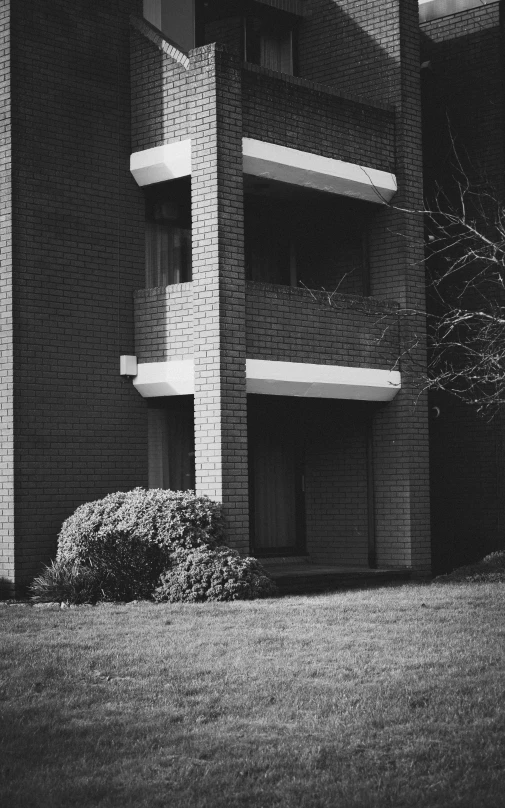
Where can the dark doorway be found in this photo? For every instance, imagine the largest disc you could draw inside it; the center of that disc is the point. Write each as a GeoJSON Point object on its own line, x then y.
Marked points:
{"type": "Point", "coordinates": [276, 477]}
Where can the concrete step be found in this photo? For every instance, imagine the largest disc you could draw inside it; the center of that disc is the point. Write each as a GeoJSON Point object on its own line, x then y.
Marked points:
{"type": "Point", "coordinates": [296, 577]}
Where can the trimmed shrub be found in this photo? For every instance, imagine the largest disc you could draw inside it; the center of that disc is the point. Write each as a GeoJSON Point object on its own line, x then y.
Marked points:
{"type": "Point", "coordinates": [218, 573]}
{"type": "Point", "coordinates": [128, 538]}
{"type": "Point", "coordinates": [68, 582]}
{"type": "Point", "coordinates": [490, 568]}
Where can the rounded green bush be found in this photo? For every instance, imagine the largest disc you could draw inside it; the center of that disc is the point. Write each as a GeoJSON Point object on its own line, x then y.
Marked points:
{"type": "Point", "coordinates": [207, 573]}
{"type": "Point", "coordinates": [128, 538]}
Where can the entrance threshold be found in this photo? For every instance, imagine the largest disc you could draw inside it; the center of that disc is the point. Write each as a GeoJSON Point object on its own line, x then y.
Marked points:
{"type": "Point", "coordinates": [299, 576]}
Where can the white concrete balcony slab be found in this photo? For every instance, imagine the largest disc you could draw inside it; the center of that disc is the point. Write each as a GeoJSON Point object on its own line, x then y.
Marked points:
{"type": "Point", "coordinates": [264, 377]}
{"type": "Point", "coordinates": [321, 381]}
{"type": "Point", "coordinates": [271, 161]}
{"type": "Point", "coordinates": [173, 378]}
{"type": "Point", "coordinates": [310, 170]}
{"type": "Point", "coordinates": [162, 163]}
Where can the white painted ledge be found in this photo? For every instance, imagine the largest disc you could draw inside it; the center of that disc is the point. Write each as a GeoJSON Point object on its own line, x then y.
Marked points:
{"type": "Point", "coordinates": [321, 381]}
{"type": "Point", "coordinates": [313, 171]}
{"type": "Point", "coordinates": [173, 160]}
{"type": "Point", "coordinates": [174, 378]}
{"type": "Point", "coordinates": [167, 162]}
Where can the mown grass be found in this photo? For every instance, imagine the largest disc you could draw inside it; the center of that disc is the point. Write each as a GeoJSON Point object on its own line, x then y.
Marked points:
{"type": "Point", "coordinates": [391, 697]}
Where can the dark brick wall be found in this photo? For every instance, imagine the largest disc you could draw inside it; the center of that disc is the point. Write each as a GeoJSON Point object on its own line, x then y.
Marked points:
{"type": "Point", "coordinates": [294, 325]}
{"type": "Point", "coordinates": [464, 84]}
{"type": "Point", "coordinates": [467, 456]}
{"type": "Point", "coordinates": [352, 46]}
{"type": "Point", "coordinates": [463, 89]}
{"type": "Point", "coordinates": [78, 246]}
{"type": "Point", "coordinates": [7, 567]}
{"type": "Point", "coordinates": [164, 323]}
{"type": "Point", "coordinates": [336, 489]}
{"type": "Point", "coordinates": [229, 32]}
{"type": "Point", "coordinates": [297, 114]}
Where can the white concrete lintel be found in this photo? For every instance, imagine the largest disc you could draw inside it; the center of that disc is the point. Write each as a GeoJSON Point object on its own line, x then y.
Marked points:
{"type": "Point", "coordinates": [173, 378]}
{"type": "Point", "coordinates": [167, 162]}
{"type": "Point", "coordinates": [313, 171]}
{"type": "Point", "coordinates": [321, 381]}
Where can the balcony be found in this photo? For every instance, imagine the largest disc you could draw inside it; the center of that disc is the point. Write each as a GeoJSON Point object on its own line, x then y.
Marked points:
{"type": "Point", "coordinates": [283, 324]}
{"type": "Point", "coordinates": [299, 114]}
{"type": "Point", "coordinates": [286, 324]}
{"type": "Point", "coordinates": [171, 91]}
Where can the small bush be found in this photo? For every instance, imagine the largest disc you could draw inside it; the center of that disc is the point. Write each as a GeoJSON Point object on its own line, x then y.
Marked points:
{"type": "Point", "coordinates": [68, 582]}
{"type": "Point", "coordinates": [127, 540]}
{"type": "Point", "coordinates": [219, 574]}
{"type": "Point", "coordinates": [490, 568]}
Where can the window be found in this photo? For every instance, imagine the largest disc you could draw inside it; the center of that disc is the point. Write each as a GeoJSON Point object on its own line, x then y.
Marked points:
{"type": "Point", "coordinates": [168, 233]}
{"type": "Point", "coordinates": [269, 41]}
{"type": "Point", "coordinates": [171, 443]}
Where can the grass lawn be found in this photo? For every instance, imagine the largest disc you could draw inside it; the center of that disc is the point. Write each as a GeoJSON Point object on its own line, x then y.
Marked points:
{"type": "Point", "coordinates": [391, 697]}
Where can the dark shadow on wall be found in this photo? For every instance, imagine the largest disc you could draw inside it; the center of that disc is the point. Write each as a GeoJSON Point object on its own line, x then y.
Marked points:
{"type": "Point", "coordinates": [6, 589]}
{"type": "Point", "coordinates": [463, 105]}
{"type": "Point", "coordinates": [463, 115]}
{"type": "Point", "coordinates": [467, 474]}
{"type": "Point", "coordinates": [345, 47]}
{"type": "Point", "coordinates": [79, 236]}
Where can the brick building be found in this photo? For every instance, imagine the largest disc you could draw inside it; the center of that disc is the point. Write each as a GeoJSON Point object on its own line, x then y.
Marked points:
{"type": "Point", "coordinates": [182, 185]}
{"type": "Point", "coordinates": [463, 99]}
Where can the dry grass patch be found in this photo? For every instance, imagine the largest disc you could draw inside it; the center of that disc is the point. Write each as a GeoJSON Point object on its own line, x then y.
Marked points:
{"type": "Point", "coordinates": [392, 697]}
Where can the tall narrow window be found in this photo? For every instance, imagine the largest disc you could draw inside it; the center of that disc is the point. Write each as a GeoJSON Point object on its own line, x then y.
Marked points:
{"type": "Point", "coordinates": [171, 443]}
{"type": "Point", "coordinates": [168, 233]}
{"type": "Point", "coordinates": [276, 50]}
{"type": "Point", "coordinates": [269, 41]}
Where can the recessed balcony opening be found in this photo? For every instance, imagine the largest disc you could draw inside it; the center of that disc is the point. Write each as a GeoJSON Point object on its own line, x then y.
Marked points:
{"type": "Point", "coordinates": [260, 34]}
{"type": "Point", "coordinates": [300, 237]}
{"type": "Point", "coordinates": [168, 232]}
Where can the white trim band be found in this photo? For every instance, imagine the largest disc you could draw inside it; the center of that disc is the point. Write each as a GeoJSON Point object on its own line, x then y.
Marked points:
{"type": "Point", "coordinates": [313, 171]}
{"type": "Point", "coordinates": [167, 162]}
{"type": "Point", "coordinates": [321, 381]}
{"type": "Point", "coordinates": [173, 160]}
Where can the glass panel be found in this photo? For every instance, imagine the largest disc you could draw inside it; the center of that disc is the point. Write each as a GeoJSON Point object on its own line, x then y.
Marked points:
{"type": "Point", "coordinates": [276, 51]}
{"type": "Point", "coordinates": [269, 42]}
{"type": "Point", "coordinates": [171, 445]}
{"type": "Point", "coordinates": [168, 234]}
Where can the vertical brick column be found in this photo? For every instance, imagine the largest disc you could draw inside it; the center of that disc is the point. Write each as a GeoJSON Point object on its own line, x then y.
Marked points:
{"type": "Point", "coordinates": [219, 287]}
{"type": "Point", "coordinates": [6, 321]}
{"type": "Point", "coordinates": [401, 457]}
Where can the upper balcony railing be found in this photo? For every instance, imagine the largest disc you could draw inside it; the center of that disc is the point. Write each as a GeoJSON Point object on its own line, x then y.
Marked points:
{"type": "Point", "coordinates": [302, 115]}
{"type": "Point", "coordinates": [282, 324]}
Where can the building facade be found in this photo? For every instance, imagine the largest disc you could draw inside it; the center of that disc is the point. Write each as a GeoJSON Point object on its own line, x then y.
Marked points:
{"type": "Point", "coordinates": [227, 196]}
